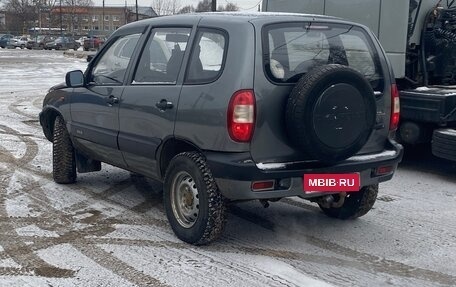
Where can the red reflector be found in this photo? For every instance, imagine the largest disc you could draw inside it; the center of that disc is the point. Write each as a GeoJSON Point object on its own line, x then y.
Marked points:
{"type": "Point", "coordinates": [262, 185]}
{"type": "Point", "coordinates": [395, 108]}
{"type": "Point", "coordinates": [384, 170]}
{"type": "Point", "coordinates": [241, 116]}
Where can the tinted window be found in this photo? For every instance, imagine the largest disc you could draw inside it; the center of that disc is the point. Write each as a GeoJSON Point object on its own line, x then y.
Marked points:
{"type": "Point", "coordinates": [293, 49]}
{"type": "Point", "coordinates": [162, 57]}
{"type": "Point", "coordinates": [207, 57]}
{"type": "Point", "coordinates": [111, 67]}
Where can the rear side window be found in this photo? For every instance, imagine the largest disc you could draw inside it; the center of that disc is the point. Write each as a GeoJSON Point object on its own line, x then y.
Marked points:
{"type": "Point", "coordinates": [208, 56]}
{"type": "Point", "coordinates": [162, 57]}
{"type": "Point", "coordinates": [293, 49]}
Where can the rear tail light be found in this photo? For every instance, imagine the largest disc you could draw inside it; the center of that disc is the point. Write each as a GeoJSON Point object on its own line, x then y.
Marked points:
{"type": "Point", "coordinates": [241, 115]}
{"type": "Point", "coordinates": [395, 108]}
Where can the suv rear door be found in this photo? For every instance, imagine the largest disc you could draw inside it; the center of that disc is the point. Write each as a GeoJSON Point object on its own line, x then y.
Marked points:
{"type": "Point", "coordinates": [293, 47]}
{"type": "Point", "coordinates": [149, 104]}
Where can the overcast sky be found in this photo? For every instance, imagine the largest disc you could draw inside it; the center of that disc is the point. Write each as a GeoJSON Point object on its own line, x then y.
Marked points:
{"type": "Point", "coordinates": [243, 4]}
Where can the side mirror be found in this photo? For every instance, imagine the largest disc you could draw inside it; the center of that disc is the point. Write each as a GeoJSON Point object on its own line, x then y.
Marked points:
{"type": "Point", "coordinates": [74, 79]}
{"type": "Point", "coordinates": [89, 58]}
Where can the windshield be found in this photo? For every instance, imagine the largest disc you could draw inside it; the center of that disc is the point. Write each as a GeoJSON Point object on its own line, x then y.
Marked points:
{"type": "Point", "coordinates": [293, 49]}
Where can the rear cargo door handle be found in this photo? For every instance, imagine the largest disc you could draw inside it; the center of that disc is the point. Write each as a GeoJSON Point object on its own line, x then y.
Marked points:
{"type": "Point", "coordinates": [164, 105]}
{"type": "Point", "coordinates": [112, 100]}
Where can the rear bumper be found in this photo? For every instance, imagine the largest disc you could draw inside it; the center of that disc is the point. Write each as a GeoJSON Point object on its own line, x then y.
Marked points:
{"type": "Point", "coordinates": [235, 172]}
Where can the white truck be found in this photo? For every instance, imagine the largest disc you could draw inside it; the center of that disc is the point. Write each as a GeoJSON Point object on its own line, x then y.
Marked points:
{"type": "Point", "coordinates": [419, 38]}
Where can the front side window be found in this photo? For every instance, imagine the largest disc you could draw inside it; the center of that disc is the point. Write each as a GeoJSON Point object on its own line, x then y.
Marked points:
{"type": "Point", "coordinates": [111, 68]}
{"type": "Point", "coordinates": [207, 57]}
{"type": "Point", "coordinates": [162, 57]}
{"type": "Point", "coordinates": [293, 49]}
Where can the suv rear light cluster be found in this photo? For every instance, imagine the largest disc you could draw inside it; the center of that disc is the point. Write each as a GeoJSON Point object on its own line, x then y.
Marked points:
{"type": "Point", "coordinates": [241, 116]}
{"type": "Point", "coordinates": [395, 108]}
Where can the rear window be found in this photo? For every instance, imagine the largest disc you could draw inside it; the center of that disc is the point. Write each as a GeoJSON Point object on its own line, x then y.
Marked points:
{"type": "Point", "coordinates": [293, 49]}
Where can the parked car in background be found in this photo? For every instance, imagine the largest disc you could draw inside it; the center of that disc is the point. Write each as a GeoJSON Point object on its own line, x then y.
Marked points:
{"type": "Point", "coordinates": [18, 42]}
{"type": "Point", "coordinates": [4, 40]}
{"type": "Point", "coordinates": [39, 42]}
{"type": "Point", "coordinates": [93, 43]}
{"type": "Point", "coordinates": [62, 43]}
{"type": "Point", "coordinates": [233, 107]}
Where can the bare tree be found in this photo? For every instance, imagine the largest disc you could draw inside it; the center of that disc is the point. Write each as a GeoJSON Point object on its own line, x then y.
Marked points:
{"type": "Point", "coordinates": [187, 9]}
{"type": "Point", "coordinates": [204, 6]}
{"type": "Point", "coordinates": [24, 14]}
{"type": "Point", "coordinates": [231, 7]}
{"type": "Point", "coordinates": [166, 7]}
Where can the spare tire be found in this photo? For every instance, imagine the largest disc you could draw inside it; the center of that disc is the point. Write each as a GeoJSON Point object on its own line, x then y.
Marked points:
{"type": "Point", "coordinates": [331, 113]}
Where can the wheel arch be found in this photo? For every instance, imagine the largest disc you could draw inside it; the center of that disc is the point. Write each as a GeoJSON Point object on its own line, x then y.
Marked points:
{"type": "Point", "coordinates": [169, 149]}
{"type": "Point", "coordinates": [47, 120]}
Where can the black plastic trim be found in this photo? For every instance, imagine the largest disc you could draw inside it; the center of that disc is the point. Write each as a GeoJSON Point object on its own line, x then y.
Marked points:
{"type": "Point", "coordinates": [240, 166]}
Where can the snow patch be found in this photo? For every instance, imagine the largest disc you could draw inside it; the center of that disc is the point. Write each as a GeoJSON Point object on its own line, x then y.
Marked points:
{"type": "Point", "coordinates": [142, 232]}
{"type": "Point", "coordinates": [386, 153]}
{"type": "Point", "coordinates": [423, 89]}
{"type": "Point", "coordinates": [61, 197]}
{"type": "Point", "coordinates": [33, 230]}
{"type": "Point", "coordinates": [449, 132]}
{"type": "Point", "coordinates": [288, 272]}
{"type": "Point", "coordinates": [68, 257]}
{"type": "Point", "coordinates": [8, 263]}
{"type": "Point", "coordinates": [20, 207]}
{"type": "Point", "coordinates": [267, 166]}
{"type": "Point", "coordinates": [13, 145]}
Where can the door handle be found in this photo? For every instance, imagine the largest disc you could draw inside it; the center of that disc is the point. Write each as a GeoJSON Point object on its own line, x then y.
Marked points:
{"type": "Point", "coordinates": [112, 100]}
{"type": "Point", "coordinates": [164, 105]}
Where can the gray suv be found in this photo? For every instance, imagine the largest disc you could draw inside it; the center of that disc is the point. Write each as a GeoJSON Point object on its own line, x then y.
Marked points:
{"type": "Point", "coordinates": [233, 107]}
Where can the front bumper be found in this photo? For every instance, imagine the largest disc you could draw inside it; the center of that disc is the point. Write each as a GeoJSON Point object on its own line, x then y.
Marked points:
{"type": "Point", "coordinates": [235, 172]}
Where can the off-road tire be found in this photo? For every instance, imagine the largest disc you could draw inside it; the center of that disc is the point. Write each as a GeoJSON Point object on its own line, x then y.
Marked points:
{"type": "Point", "coordinates": [356, 204]}
{"type": "Point", "coordinates": [444, 144]}
{"type": "Point", "coordinates": [318, 136]}
{"type": "Point", "coordinates": [63, 155]}
{"type": "Point", "coordinates": [211, 218]}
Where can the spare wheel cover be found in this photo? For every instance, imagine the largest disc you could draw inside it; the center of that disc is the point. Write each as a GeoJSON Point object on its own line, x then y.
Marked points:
{"type": "Point", "coordinates": [331, 113]}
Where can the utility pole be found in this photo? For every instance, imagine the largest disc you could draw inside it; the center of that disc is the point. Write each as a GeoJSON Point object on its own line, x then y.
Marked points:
{"type": "Point", "coordinates": [103, 20]}
{"type": "Point", "coordinates": [126, 13]}
{"type": "Point", "coordinates": [214, 6]}
{"type": "Point", "coordinates": [39, 15]}
{"type": "Point", "coordinates": [61, 19]}
{"type": "Point", "coordinates": [137, 16]}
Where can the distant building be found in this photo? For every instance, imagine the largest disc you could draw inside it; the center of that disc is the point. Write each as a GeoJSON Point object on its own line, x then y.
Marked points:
{"type": "Point", "coordinates": [98, 20]}
{"type": "Point", "coordinates": [94, 20]}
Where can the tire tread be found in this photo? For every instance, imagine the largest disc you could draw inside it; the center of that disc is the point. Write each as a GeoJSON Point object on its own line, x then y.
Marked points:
{"type": "Point", "coordinates": [63, 156]}
{"type": "Point", "coordinates": [216, 202]}
{"type": "Point", "coordinates": [355, 206]}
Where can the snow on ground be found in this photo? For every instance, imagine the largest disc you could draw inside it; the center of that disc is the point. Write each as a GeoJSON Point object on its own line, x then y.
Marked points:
{"type": "Point", "coordinates": [109, 229]}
